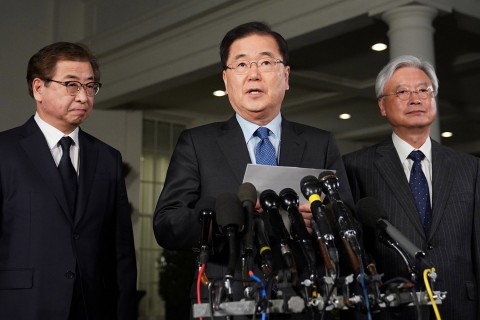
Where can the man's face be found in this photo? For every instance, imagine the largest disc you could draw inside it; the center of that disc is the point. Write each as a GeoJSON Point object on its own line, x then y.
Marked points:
{"type": "Point", "coordinates": [413, 113]}
{"type": "Point", "coordinates": [58, 108]}
{"type": "Point", "coordinates": [256, 96]}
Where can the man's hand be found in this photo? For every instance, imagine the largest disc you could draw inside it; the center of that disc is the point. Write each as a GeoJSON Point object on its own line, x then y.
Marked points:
{"type": "Point", "coordinates": [306, 213]}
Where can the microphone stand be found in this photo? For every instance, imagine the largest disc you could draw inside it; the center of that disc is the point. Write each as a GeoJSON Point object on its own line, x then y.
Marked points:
{"type": "Point", "coordinates": [383, 237]}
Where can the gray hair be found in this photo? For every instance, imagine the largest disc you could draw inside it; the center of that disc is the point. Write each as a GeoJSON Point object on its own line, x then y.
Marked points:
{"type": "Point", "coordinates": [402, 62]}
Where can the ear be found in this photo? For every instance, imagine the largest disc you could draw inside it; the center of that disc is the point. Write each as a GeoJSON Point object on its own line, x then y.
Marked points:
{"type": "Point", "coordinates": [225, 81]}
{"type": "Point", "coordinates": [38, 86]}
{"type": "Point", "coordinates": [381, 105]}
{"type": "Point", "coordinates": [287, 77]}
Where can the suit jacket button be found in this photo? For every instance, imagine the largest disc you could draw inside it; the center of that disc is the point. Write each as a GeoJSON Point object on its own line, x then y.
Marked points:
{"type": "Point", "coordinates": [430, 246]}
{"type": "Point", "coordinates": [76, 236]}
{"type": "Point", "coordinates": [70, 275]}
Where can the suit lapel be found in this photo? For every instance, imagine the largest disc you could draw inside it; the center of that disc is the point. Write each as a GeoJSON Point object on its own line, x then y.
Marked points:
{"type": "Point", "coordinates": [36, 148]}
{"type": "Point", "coordinates": [443, 170]}
{"type": "Point", "coordinates": [292, 142]}
{"type": "Point", "coordinates": [232, 144]}
{"type": "Point", "coordinates": [231, 138]}
{"type": "Point", "coordinates": [88, 164]}
{"type": "Point", "coordinates": [391, 170]}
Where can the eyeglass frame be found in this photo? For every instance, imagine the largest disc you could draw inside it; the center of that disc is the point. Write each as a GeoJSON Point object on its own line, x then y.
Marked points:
{"type": "Point", "coordinates": [275, 61]}
{"type": "Point", "coordinates": [428, 91]}
{"type": "Point", "coordinates": [82, 85]}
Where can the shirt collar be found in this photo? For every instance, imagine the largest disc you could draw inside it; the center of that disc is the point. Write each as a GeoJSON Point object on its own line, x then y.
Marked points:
{"type": "Point", "coordinates": [52, 134]}
{"type": "Point", "coordinates": [404, 149]}
{"type": "Point", "coordinates": [249, 128]}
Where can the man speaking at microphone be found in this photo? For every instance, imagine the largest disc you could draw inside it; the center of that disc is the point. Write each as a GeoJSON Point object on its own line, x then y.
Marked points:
{"type": "Point", "coordinates": [447, 224]}
{"type": "Point", "coordinates": [212, 159]}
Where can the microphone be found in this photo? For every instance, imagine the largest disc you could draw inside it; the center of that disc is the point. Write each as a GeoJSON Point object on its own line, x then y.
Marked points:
{"type": "Point", "coordinates": [371, 214]}
{"type": "Point", "coordinates": [310, 187]}
{"type": "Point", "coordinates": [207, 217]}
{"type": "Point", "coordinates": [270, 203]}
{"type": "Point", "coordinates": [263, 245]}
{"type": "Point", "coordinates": [289, 202]}
{"type": "Point", "coordinates": [329, 185]}
{"type": "Point", "coordinates": [247, 194]}
{"type": "Point", "coordinates": [230, 220]}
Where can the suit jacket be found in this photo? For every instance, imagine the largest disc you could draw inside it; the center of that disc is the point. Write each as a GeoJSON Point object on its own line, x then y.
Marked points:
{"type": "Point", "coordinates": [453, 243]}
{"type": "Point", "coordinates": [43, 249]}
{"type": "Point", "coordinates": [212, 159]}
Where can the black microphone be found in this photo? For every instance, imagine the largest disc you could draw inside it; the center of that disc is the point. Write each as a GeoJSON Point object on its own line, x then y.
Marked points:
{"type": "Point", "coordinates": [329, 185]}
{"type": "Point", "coordinates": [263, 245]}
{"type": "Point", "coordinates": [207, 217]}
{"type": "Point", "coordinates": [311, 189]}
{"type": "Point", "coordinates": [230, 220]}
{"type": "Point", "coordinates": [270, 202]}
{"type": "Point", "coordinates": [247, 193]}
{"type": "Point", "coordinates": [372, 214]}
{"type": "Point", "coordinates": [289, 202]}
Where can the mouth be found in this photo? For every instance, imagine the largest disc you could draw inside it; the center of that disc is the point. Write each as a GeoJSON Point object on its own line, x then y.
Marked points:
{"type": "Point", "coordinates": [254, 91]}
{"type": "Point", "coordinates": [416, 112]}
{"type": "Point", "coordinates": [78, 110]}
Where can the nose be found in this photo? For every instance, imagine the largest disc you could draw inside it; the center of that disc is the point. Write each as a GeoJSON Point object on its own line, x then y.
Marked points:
{"type": "Point", "coordinates": [414, 99]}
{"type": "Point", "coordinates": [82, 94]}
{"type": "Point", "coordinates": [253, 72]}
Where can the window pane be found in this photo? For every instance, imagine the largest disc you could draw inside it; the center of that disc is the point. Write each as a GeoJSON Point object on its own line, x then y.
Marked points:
{"type": "Point", "coordinates": [159, 140]}
{"type": "Point", "coordinates": [147, 167]}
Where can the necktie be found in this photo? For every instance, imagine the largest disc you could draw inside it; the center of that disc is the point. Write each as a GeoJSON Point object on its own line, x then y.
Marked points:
{"type": "Point", "coordinates": [67, 172]}
{"type": "Point", "coordinates": [265, 152]}
{"type": "Point", "coordinates": [419, 187]}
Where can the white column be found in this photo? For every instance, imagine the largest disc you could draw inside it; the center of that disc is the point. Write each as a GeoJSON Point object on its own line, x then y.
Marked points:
{"type": "Point", "coordinates": [411, 32]}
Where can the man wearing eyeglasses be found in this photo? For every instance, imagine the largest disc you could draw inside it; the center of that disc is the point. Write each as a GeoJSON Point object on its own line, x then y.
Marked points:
{"type": "Point", "coordinates": [445, 221]}
{"type": "Point", "coordinates": [211, 159]}
{"type": "Point", "coordinates": [66, 241]}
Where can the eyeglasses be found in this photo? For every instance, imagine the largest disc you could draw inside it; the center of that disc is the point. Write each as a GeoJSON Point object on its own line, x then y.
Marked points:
{"type": "Point", "coordinates": [423, 93]}
{"type": "Point", "coordinates": [74, 87]}
{"type": "Point", "coordinates": [263, 65]}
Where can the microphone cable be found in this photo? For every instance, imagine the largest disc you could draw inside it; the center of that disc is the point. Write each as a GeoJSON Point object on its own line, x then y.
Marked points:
{"type": "Point", "coordinates": [199, 282]}
{"type": "Point", "coordinates": [263, 296]}
{"type": "Point", "coordinates": [364, 290]}
{"type": "Point", "coordinates": [426, 274]}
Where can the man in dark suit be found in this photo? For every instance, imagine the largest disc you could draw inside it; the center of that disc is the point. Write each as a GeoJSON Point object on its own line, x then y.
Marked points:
{"type": "Point", "coordinates": [212, 159]}
{"type": "Point", "coordinates": [449, 232]}
{"type": "Point", "coordinates": [64, 254]}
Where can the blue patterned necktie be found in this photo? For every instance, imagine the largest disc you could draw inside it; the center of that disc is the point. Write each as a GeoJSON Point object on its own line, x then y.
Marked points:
{"type": "Point", "coordinates": [67, 172]}
{"type": "Point", "coordinates": [265, 152]}
{"type": "Point", "coordinates": [419, 187]}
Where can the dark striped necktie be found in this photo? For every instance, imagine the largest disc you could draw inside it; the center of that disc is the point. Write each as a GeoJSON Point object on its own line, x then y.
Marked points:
{"type": "Point", "coordinates": [419, 187]}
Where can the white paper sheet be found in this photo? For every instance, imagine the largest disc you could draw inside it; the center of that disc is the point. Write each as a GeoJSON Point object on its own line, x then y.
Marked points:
{"type": "Point", "coordinates": [278, 178]}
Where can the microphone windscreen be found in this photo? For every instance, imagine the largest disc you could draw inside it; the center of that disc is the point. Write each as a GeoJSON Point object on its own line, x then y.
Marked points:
{"type": "Point", "coordinates": [325, 174]}
{"type": "Point", "coordinates": [369, 211]}
{"type": "Point", "coordinates": [247, 192]}
{"type": "Point", "coordinates": [309, 185]}
{"type": "Point", "coordinates": [229, 210]}
{"type": "Point", "coordinates": [288, 198]}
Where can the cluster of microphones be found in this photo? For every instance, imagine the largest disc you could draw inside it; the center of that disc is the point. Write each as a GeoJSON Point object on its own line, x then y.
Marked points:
{"type": "Point", "coordinates": [288, 266]}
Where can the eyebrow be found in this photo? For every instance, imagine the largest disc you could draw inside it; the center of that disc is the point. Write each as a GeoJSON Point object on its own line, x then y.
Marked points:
{"type": "Point", "coordinates": [261, 54]}
{"type": "Point", "coordinates": [416, 85]}
{"type": "Point", "coordinates": [76, 78]}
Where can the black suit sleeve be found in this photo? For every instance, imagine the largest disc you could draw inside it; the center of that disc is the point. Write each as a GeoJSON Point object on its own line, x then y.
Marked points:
{"type": "Point", "coordinates": [175, 223]}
